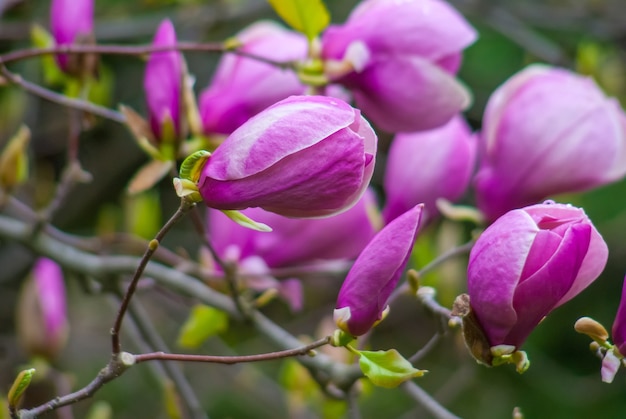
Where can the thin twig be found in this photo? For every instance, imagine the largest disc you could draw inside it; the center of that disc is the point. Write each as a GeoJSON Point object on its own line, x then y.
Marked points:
{"type": "Point", "coordinates": [134, 50]}
{"type": "Point", "coordinates": [62, 99]}
{"type": "Point", "coordinates": [116, 367]}
{"type": "Point", "coordinates": [448, 254]}
{"type": "Point", "coordinates": [425, 350]}
{"type": "Point", "coordinates": [184, 207]}
{"type": "Point", "coordinates": [304, 350]}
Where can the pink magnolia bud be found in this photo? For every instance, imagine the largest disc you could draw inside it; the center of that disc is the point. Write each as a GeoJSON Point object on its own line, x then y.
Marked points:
{"type": "Point", "coordinates": [296, 241]}
{"type": "Point", "coordinates": [42, 315]}
{"type": "Point", "coordinates": [242, 87]}
{"type": "Point", "coordinates": [403, 56]}
{"type": "Point", "coordinates": [70, 20]}
{"type": "Point", "coordinates": [427, 165]}
{"type": "Point", "coordinates": [305, 156]}
{"type": "Point", "coordinates": [618, 331]}
{"type": "Point", "coordinates": [364, 293]}
{"type": "Point", "coordinates": [547, 131]}
{"type": "Point", "coordinates": [163, 82]}
{"type": "Point", "coordinates": [529, 262]}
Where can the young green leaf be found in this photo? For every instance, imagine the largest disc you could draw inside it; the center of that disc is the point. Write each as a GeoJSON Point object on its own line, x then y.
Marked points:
{"type": "Point", "coordinates": [52, 74]}
{"type": "Point", "coordinates": [21, 383]}
{"type": "Point", "coordinates": [307, 16]}
{"type": "Point", "coordinates": [203, 322]}
{"type": "Point", "coordinates": [387, 368]}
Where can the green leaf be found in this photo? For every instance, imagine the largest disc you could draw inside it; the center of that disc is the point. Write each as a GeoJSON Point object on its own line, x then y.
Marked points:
{"type": "Point", "coordinates": [21, 383]}
{"type": "Point", "coordinates": [387, 368]}
{"type": "Point", "coordinates": [203, 322]}
{"type": "Point", "coordinates": [52, 74]}
{"type": "Point", "coordinates": [4, 409]}
{"type": "Point", "coordinates": [143, 213]}
{"type": "Point", "coordinates": [307, 16]}
{"type": "Point", "coordinates": [245, 221]}
{"type": "Point", "coordinates": [14, 160]}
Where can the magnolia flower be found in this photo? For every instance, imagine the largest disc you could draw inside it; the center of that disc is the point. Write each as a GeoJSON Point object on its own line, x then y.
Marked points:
{"type": "Point", "coordinates": [547, 131]}
{"type": "Point", "coordinates": [399, 59]}
{"type": "Point", "coordinates": [305, 156]}
{"type": "Point", "coordinates": [427, 165]}
{"type": "Point", "coordinates": [71, 21]}
{"type": "Point", "coordinates": [242, 87]}
{"type": "Point", "coordinates": [376, 272]}
{"type": "Point", "coordinates": [296, 241]}
{"type": "Point", "coordinates": [292, 242]}
{"type": "Point", "coordinates": [163, 85]}
{"type": "Point", "coordinates": [529, 262]}
{"type": "Point", "coordinates": [42, 311]}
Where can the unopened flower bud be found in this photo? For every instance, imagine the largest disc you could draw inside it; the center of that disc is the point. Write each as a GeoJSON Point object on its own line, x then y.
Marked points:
{"type": "Point", "coordinates": [591, 328]}
{"type": "Point", "coordinates": [529, 262]}
{"type": "Point", "coordinates": [42, 318]}
{"type": "Point", "coordinates": [363, 296]}
{"type": "Point", "coordinates": [305, 156]}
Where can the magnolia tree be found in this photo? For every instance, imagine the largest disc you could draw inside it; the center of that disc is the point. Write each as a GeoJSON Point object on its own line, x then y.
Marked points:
{"type": "Point", "coordinates": [278, 165]}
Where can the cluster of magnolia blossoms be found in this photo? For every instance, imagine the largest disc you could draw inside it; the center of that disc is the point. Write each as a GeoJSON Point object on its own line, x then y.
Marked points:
{"type": "Point", "coordinates": [314, 156]}
{"type": "Point", "coordinates": [398, 60]}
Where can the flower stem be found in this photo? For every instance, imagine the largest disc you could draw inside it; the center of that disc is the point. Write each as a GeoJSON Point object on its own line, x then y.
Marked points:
{"type": "Point", "coordinates": [184, 207]}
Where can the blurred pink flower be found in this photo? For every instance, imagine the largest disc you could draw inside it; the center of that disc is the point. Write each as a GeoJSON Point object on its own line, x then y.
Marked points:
{"type": "Point", "coordinates": [399, 59]}
{"type": "Point", "coordinates": [427, 165]}
{"type": "Point", "coordinates": [69, 20]}
{"type": "Point", "coordinates": [242, 87]}
{"type": "Point", "coordinates": [547, 131]}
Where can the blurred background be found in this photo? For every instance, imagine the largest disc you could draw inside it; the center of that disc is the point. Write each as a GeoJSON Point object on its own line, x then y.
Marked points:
{"type": "Point", "coordinates": [564, 379]}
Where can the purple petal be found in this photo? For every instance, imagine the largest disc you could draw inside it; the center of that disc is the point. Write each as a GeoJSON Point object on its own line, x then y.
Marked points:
{"type": "Point", "coordinates": [431, 29]}
{"type": "Point", "coordinates": [495, 266]}
{"type": "Point", "coordinates": [577, 139]}
{"type": "Point", "coordinates": [434, 96]}
{"type": "Point", "coordinates": [242, 87]}
{"type": "Point", "coordinates": [427, 165]}
{"type": "Point", "coordinates": [536, 296]}
{"type": "Point", "coordinates": [376, 272]}
{"type": "Point", "coordinates": [618, 331]}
